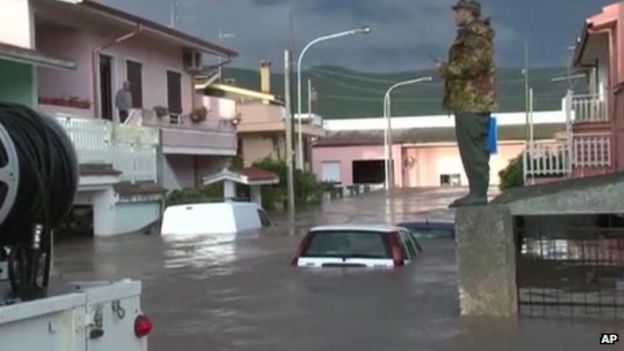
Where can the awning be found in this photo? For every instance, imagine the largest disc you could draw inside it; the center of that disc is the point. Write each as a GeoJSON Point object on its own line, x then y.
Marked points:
{"type": "Point", "coordinates": [247, 176]}
{"type": "Point", "coordinates": [33, 57]}
{"type": "Point", "coordinates": [251, 94]}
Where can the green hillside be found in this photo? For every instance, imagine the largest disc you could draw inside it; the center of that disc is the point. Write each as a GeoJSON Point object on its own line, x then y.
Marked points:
{"type": "Point", "coordinates": [345, 93]}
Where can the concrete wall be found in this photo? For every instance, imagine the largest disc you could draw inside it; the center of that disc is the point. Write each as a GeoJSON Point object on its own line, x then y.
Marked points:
{"type": "Point", "coordinates": [134, 216]}
{"type": "Point", "coordinates": [429, 162]}
{"type": "Point", "coordinates": [178, 172]}
{"type": "Point", "coordinates": [78, 44]}
{"type": "Point", "coordinates": [182, 171]}
{"type": "Point", "coordinates": [16, 25]}
{"type": "Point", "coordinates": [259, 146]}
{"type": "Point", "coordinates": [17, 83]}
{"type": "Point", "coordinates": [104, 209]}
{"type": "Point", "coordinates": [209, 165]}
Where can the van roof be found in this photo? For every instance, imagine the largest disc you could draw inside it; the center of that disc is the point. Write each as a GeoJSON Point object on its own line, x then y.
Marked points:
{"type": "Point", "coordinates": [380, 228]}
{"type": "Point", "coordinates": [232, 204]}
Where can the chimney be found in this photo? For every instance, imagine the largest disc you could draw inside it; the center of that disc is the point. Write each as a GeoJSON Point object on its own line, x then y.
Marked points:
{"type": "Point", "coordinates": [265, 76]}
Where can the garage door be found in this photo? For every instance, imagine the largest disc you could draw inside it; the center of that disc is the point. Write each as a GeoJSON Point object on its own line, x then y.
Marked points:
{"type": "Point", "coordinates": [331, 172]}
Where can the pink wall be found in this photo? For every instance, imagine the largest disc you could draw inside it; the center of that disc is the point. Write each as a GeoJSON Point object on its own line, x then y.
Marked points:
{"type": "Point", "coordinates": [77, 44]}
{"type": "Point", "coordinates": [609, 22]}
{"type": "Point", "coordinates": [182, 171]}
{"type": "Point", "coordinates": [16, 23]}
{"type": "Point", "coordinates": [430, 161]}
{"type": "Point", "coordinates": [218, 107]}
{"type": "Point", "coordinates": [179, 172]}
{"type": "Point", "coordinates": [70, 44]}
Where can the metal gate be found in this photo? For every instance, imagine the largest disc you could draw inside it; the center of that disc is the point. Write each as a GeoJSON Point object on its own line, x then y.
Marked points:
{"type": "Point", "coordinates": [571, 266]}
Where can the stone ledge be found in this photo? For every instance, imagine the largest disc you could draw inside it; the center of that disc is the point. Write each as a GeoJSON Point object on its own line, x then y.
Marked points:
{"type": "Point", "coordinates": [486, 261]}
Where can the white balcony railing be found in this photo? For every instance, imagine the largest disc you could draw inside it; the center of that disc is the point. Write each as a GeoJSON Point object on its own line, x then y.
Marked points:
{"type": "Point", "coordinates": [546, 159]}
{"type": "Point", "coordinates": [589, 109]}
{"type": "Point", "coordinates": [592, 150]}
{"type": "Point", "coordinates": [131, 150]}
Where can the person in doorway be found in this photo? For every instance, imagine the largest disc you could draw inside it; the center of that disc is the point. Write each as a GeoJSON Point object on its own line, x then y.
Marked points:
{"type": "Point", "coordinates": [470, 95]}
{"type": "Point", "coordinates": [123, 101]}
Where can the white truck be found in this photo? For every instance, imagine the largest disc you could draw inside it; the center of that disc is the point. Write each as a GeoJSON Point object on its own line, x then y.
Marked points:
{"type": "Point", "coordinates": [38, 181]}
{"type": "Point", "coordinates": [94, 317]}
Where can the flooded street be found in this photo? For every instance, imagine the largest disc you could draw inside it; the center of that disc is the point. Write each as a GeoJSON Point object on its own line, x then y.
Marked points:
{"type": "Point", "coordinates": [240, 292]}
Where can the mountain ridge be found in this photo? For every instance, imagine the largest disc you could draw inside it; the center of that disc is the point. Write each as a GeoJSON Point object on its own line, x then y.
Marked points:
{"type": "Point", "coordinates": [346, 93]}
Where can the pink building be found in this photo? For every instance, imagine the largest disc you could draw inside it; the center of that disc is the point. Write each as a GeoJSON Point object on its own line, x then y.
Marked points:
{"type": "Point", "coordinates": [425, 151]}
{"type": "Point", "coordinates": [593, 144]}
{"type": "Point", "coordinates": [598, 130]}
{"type": "Point", "coordinates": [125, 168]}
{"type": "Point", "coordinates": [110, 47]}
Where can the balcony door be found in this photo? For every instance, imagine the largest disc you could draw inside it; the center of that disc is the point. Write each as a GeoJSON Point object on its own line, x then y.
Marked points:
{"type": "Point", "coordinates": [135, 77]}
{"type": "Point", "coordinates": [106, 87]}
{"type": "Point", "coordinates": [174, 92]}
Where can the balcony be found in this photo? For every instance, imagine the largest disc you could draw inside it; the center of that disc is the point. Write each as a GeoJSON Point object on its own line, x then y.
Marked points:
{"type": "Point", "coordinates": [543, 159]}
{"type": "Point", "coordinates": [259, 117]}
{"type": "Point", "coordinates": [589, 108]}
{"type": "Point", "coordinates": [587, 154]}
{"type": "Point", "coordinates": [592, 151]}
{"type": "Point", "coordinates": [129, 149]}
{"type": "Point", "coordinates": [216, 135]}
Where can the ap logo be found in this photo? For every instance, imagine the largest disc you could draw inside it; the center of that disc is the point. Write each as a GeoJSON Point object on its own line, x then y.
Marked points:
{"type": "Point", "coordinates": [609, 339]}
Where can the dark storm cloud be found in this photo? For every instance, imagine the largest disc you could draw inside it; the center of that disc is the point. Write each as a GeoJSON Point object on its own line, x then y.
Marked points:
{"type": "Point", "coordinates": [405, 32]}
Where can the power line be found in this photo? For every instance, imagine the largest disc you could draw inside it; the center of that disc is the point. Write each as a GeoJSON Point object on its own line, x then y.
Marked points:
{"type": "Point", "coordinates": [326, 72]}
{"type": "Point", "coordinates": [541, 97]}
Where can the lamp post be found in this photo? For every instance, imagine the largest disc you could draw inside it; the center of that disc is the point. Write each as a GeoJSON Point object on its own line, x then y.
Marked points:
{"type": "Point", "coordinates": [363, 30]}
{"type": "Point", "coordinates": [387, 108]}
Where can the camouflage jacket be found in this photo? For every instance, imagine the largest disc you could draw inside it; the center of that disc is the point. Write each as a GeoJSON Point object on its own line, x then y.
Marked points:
{"type": "Point", "coordinates": [470, 71]}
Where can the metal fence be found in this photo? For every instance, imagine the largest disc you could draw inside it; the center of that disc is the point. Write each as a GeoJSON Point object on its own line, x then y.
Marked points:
{"type": "Point", "coordinates": [571, 266]}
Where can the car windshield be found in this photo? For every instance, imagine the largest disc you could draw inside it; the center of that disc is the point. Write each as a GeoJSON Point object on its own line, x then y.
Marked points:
{"type": "Point", "coordinates": [348, 244]}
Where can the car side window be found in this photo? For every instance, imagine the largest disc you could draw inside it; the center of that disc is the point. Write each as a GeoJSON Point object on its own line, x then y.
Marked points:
{"type": "Point", "coordinates": [409, 244]}
{"type": "Point", "coordinates": [406, 253]}
{"type": "Point", "coordinates": [264, 218]}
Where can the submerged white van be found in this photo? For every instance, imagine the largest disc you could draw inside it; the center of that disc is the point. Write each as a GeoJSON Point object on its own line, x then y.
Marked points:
{"type": "Point", "coordinates": [214, 218]}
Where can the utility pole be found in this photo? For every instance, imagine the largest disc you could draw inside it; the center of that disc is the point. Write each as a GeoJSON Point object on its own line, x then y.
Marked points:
{"type": "Point", "coordinates": [222, 37]}
{"type": "Point", "coordinates": [310, 100]}
{"type": "Point", "coordinates": [289, 137]}
{"type": "Point", "coordinates": [292, 42]}
{"type": "Point", "coordinates": [531, 124]}
{"type": "Point", "coordinates": [174, 14]}
{"type": "Point", "coordinates": [526, 86]}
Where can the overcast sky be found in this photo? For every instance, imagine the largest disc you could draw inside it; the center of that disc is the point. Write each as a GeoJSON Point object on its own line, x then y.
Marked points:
{"type": "Point", "coordinates": [405, 32]}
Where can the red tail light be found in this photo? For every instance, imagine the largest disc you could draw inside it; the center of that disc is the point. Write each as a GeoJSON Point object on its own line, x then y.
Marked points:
{"type": "Point", "coordinates": [301, 249]}
{"type": "Point", "coordinates": [397, 251]}
{"type": "Point", "coordinates": [142, 326]}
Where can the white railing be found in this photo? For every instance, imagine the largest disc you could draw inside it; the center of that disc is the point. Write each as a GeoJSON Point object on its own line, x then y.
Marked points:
{"type": "Point", "coordinates": [589, 108]}
{"type": "Point", "coordinates": [592, 150]}
{"type": "Point", "coordinates": [131, 150]}
{"type": "Point", "coordinates": [91, 137]}
{"type": "Point", "coordinates": [149, 118]}
{"type": "Point", "coordinates": [546, 159]}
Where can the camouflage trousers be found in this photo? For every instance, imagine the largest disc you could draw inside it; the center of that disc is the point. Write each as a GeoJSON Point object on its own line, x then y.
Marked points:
{"type": "Point", "coordinates": [472, 131]}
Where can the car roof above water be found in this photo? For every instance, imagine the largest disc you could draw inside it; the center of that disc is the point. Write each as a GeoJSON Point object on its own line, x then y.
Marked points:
{"type": "Point", "coordinates": [377, 228]}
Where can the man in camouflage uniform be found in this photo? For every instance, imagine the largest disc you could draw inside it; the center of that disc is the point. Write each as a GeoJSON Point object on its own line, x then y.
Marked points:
{"type": "Point", "coordinates": [470, 95]}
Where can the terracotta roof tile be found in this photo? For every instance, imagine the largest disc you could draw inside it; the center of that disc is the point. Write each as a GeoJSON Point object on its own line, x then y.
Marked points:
{"type": "Point", "coordinates": [127, 189]}
{"type": "Point", "coordinates": [428, 135]}
{"type": "Point", "coordinates": [98, 169]}
{"type": "Point", "coordinates": [256, 174]}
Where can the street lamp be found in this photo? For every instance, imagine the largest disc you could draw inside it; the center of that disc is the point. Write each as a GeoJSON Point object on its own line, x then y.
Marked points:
{"type": "Point", "coordinates": [388, 130]}
{"type": "Point", "coordinates": [362, 30]}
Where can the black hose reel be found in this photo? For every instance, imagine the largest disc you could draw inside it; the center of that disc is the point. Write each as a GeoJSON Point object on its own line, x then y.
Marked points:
{"type": "Point", "coordinates": [38, 183]}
